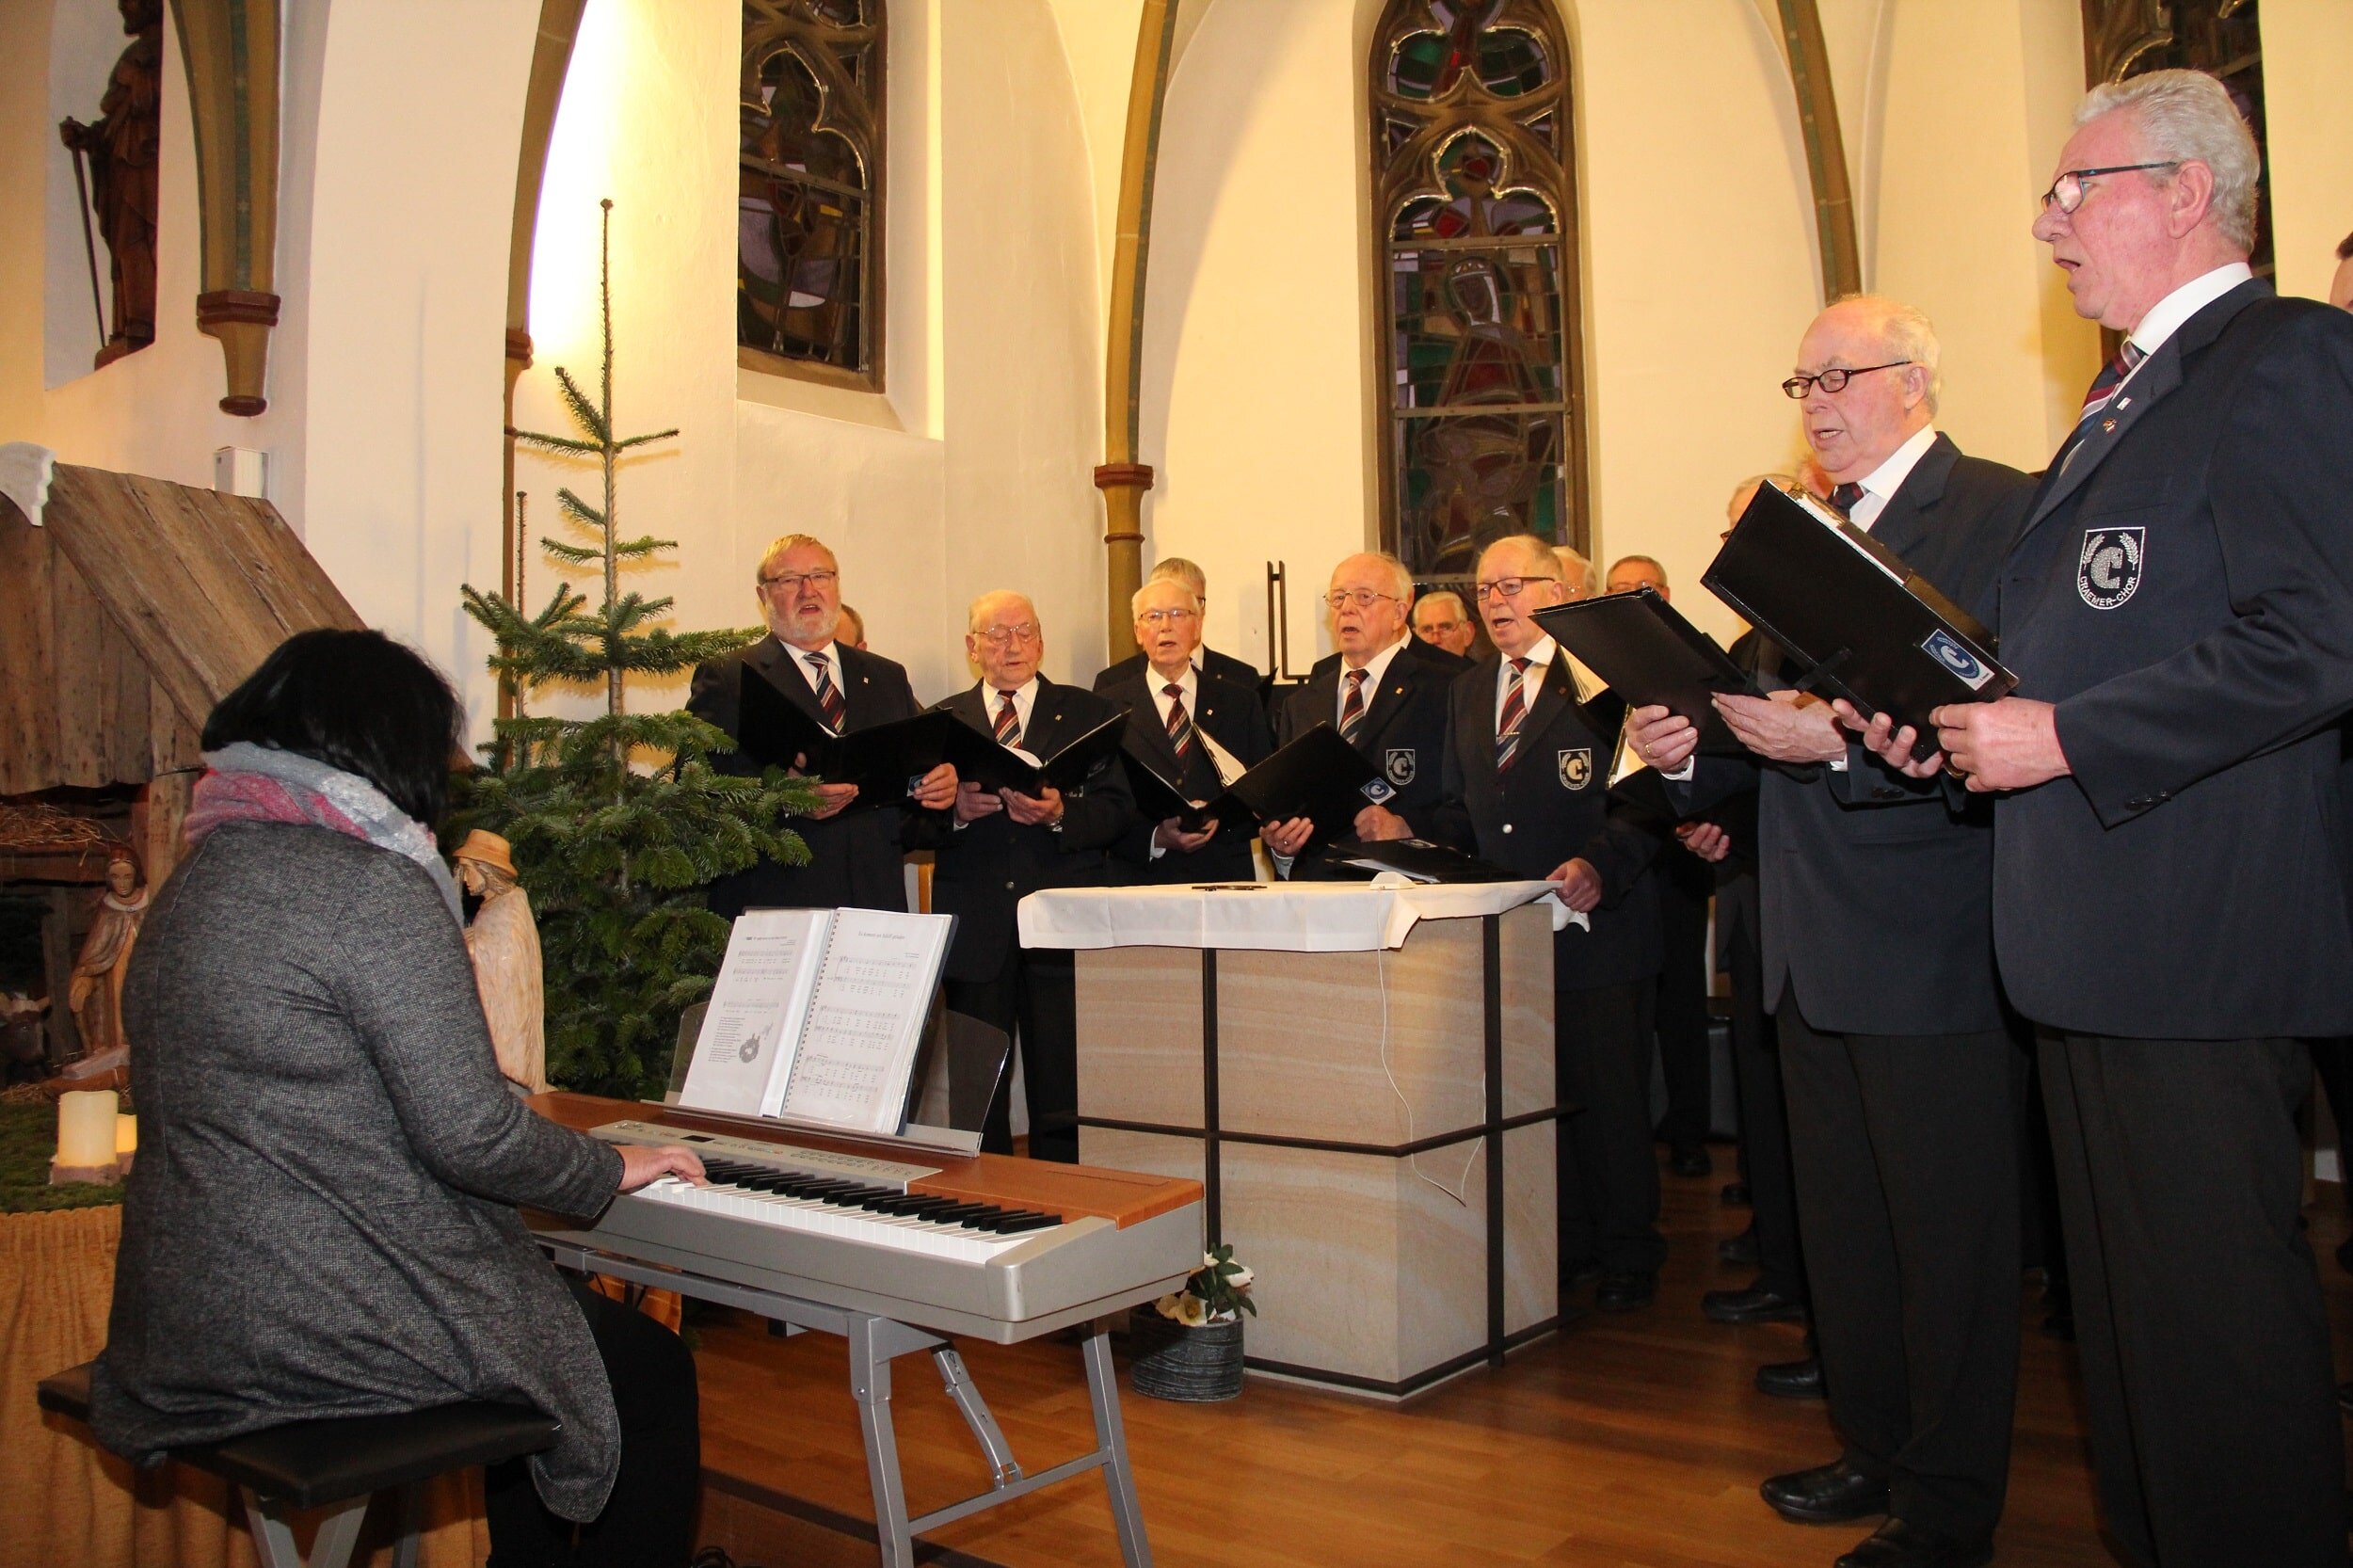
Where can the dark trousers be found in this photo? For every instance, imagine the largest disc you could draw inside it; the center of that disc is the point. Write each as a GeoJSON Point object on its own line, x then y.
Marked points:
{"type": "Point", "coordinates": [2198, 1319]}
{"type": "Point", "coordinates": [1764, 1129]}
{"type": "Point", "coordinates": [648, 1521]}
{"type": "Point", "coordinates": [1684, 887]}
{"type": "Point", "coordinates": [1608, 1177]}
{"type": "Point", "coordinates": [1906, 1154]}
{"type": "Point", "coordinates": [1035, 990]}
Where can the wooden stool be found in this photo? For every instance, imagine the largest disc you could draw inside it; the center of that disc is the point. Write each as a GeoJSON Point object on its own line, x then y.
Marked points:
{"type": "Point", "coordinates": [340, 1464]}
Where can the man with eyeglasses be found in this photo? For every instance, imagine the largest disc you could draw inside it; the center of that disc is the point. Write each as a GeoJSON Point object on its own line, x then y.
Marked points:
{"type": "Point", "coordinates": [1195, 730]}
{"type": "Point", "coordinates": [853, 850]}
{"type": "Point", "coordinates": [1233, 671]}
{"type": "Point", "coordinates": [1900, 1075]}
{"type": "Point", "coordinates": [2169, 896]}
{"type": "Point", "coordinates": [1384, 699]}
{"type": "Point", "coordinates": [1443, 626]}
{"type": "Point", "coordinates": [1527, 780]}
{"type": "Point", "coordinates": [993, 848]}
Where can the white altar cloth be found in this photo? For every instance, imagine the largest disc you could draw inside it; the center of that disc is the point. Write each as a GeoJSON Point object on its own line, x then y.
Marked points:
{"type": "Point", "coordinates": [1285, 917]}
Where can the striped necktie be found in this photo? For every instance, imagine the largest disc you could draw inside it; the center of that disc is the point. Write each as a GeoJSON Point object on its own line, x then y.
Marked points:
{"type": "Point", "coordinates": [1508, 722]}
{"type": "Point", "coordinates": [1179, 725]}
{"type": "Point", "coordinates": [1845, 496]}
{"type": "Point", "coordinates": [1353, 709]}
{"type": "Point", "coordinates": [2110, 378]}
{"type": "Point", "coordinates": [828, 695]}
{"type": "Point", "coordinates": [1008, 720]}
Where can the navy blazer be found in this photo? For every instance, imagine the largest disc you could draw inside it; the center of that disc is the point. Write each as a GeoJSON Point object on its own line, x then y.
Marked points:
{"type": "Point", "coordinates": [1229, 714]}
{"type": "Point", "coordinates": [1553, 804]}
{"type": "Point", "coordinates": [983, 869]}
{"type": "Point", "coordinates": [1404, 736]}
{"type": "Point", "coordinates": [2183, 590]}
{"type": "Point", "coordinates": [1876, 890]}
{"type": "Point", "coordinates": [854, 859]}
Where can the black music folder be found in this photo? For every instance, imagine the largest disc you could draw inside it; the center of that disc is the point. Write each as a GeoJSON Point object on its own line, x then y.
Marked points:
{"type": "Point", "coordinates": [1651, 656]}
{"type": "Point", "coordinates": [884, 762]}
{"type": "Point", "coordinates": [1318, 777]}
{"type": "Point", "coordinates": [1865, 626]}
{"type": "Point", "coordinates": [980, 760]}
{"type": "Point", "coordinates": [1421, 861]}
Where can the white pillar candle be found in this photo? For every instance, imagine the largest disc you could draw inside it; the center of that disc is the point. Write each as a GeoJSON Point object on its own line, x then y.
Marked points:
{"type": "Point", "coordinates": [86, 1128]}
{"type": "Point", "coordinates": [126, 1133]}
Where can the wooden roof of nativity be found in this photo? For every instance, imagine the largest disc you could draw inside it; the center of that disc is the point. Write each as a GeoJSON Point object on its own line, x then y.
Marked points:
{"type": "Point", "coordinates": [134, 608]}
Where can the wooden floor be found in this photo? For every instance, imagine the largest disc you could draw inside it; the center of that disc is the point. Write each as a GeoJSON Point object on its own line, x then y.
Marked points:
{"type": "Point", "coordinates": [1630, 1441]}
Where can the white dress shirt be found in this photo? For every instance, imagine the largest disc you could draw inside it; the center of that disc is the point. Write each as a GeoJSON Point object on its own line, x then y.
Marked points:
{"type": "Point", "coordinates": [1880, 484]}
{"type": "Point", "coordinates": [1024, 699]}
{"type": "Point", "coordinates": [1375, 668]}
{"type": "Point", "coordinates": [1531, 679]}
{"type": "Point", "coordinates": [2165, 316]}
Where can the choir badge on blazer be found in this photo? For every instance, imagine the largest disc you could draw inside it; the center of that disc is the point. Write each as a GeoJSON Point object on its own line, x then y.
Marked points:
{"type": "Point", "coordinates": [1401, 765]}
{"type": "Point", "coordinates": [2108, 571]}
{"type": "Point", "coordinates": [1577, 767]}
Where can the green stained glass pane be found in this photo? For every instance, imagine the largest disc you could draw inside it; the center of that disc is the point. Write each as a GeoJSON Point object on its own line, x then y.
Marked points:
{"type": "Point", "coordinates": [1511, 62]}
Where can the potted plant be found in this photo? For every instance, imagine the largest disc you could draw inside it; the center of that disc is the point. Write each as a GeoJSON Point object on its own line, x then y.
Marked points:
{"type": "Point", "coordinates": [1188, 1346]}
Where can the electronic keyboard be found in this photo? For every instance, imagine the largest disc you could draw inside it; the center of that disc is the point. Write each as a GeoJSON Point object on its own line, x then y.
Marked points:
{"type": "Point", "coordinates": [987, 1246]}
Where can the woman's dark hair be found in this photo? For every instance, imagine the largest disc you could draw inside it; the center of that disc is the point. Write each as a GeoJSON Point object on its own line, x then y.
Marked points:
{"type": "Point", "coordinates": [353, 700]}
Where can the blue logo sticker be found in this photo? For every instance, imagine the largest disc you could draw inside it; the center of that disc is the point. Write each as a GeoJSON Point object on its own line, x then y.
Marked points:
{"type": "Point", "coordinates": [1949, 651]}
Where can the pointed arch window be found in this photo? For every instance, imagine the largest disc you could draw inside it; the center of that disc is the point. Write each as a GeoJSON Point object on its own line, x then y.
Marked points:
{"type": "Point", "coordinates": [810, 222]}
{"type": "Point", "coordinates": [1475, 208]}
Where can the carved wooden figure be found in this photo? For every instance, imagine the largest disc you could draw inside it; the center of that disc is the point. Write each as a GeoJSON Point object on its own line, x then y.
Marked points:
{"type": "Point", "coordinates": [95, 993]}
{"type": "Point", "coordinates": [123, 148]}
{"type": "Point", "coordinates": [504, 941]}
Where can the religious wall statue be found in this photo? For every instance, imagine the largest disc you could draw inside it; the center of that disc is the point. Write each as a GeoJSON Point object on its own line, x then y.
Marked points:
{"type": "Point", "coordinates": [504, 943]}
{"type": "Point", "coordinates": [95, 993]}
{"type": "Point", "coordinates": [123, 148]}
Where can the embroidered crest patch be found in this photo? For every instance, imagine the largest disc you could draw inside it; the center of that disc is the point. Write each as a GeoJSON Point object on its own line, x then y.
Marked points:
{"type": "Point", "coordinates": [1949, 651]}
{"type": "Point", "coordinates": [1577, 767]}
{"type": "Point", "coordinates": [1401, 765]}
{"type": "Point", "coordinates": [2108, 571]}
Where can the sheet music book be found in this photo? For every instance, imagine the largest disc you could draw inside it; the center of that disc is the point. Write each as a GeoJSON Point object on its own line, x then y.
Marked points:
{"type": "Point", "coordinates": [1864, 625]}
{"type": "Point", "coordinates": [1422, 860]}
{"type": "Point", "coordinates": [980, 760]}
{"type": "Point", "coordinates": [1651, 656]}
{"type": "Point", "coordinates": [884, 762]}
{"type": "Point", "coordinates": [818, 1016]}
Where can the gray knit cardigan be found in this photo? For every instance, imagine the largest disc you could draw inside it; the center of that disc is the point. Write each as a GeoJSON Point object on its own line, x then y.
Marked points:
{"type": "Point", "coordinates": [323, 1217]}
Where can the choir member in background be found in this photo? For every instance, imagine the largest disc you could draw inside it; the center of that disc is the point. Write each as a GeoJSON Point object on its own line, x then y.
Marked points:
{"type": "Point", "coordinates": [992, 848]}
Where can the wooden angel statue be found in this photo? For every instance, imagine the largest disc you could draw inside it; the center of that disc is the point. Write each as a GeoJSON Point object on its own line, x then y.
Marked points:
{"type": "Point", "coordinates": [504, 940]}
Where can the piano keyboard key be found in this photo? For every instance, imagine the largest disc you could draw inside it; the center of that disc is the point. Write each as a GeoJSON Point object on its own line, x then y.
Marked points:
{"type": "Point", "coordinates": [816, 1216]}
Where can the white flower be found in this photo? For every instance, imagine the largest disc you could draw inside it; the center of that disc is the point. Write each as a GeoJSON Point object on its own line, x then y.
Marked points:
{"type": "Point", "coordinates": [1240, 1279]}
{"type": "Point", "coordinates": [1171, 1307]}
{"type": "Point", "coordinates": [1192, 1311]}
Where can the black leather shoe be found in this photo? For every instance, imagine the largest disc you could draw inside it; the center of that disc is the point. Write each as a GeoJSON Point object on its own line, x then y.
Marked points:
{"type": "Point", "coordinates": [1738, 1249]}
{"type": "Point", "coordinates": [1574, 1274]}
{"type": "Point", "coordinates": [1791, 1379]}
{"type": "Point", "coordinates": [1828, 1494]}
{"type": "Point", "coordinates": [1734, 1195]}
{"type": "Point", "coordinates": [1690, 1159]}
{"type": "Point", "coordinates": [1752, 1306]}
{"type": "Point", "coordinates": [1625, 1289]}
{"type": "Point", "coordinates": [1898, 1544]}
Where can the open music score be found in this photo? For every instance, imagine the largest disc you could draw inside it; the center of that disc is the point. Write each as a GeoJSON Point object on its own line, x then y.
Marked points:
{"type": "Point", "coordinates": [818, 1016]}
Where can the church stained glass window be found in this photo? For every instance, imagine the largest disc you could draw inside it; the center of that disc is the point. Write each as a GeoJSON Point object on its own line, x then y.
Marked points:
{"type": "Point", "coordinates": [1474, 202]}
{"type": "Point", "coordinates": [809, 235]}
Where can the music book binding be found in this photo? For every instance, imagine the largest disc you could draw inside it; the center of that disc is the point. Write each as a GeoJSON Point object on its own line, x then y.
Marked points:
{"type": "Point", "coordinates": [1651, 656]}
{"type": "Point", "coordinates": [1863, 625]}
{"type": "Point", "coordinates": [817, 1017]}
{"type": "Point", "coordinates": [981, 760]}
{"type": "Point", "coordinates": [1423, 862]}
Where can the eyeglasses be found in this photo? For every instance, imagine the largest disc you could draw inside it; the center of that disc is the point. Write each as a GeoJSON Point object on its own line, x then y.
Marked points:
{"type": "Point", "coordinates": [1166, 617]}
{"type": "Point", "coordinates": [2067, 191]}
{"type": "Point", "coordinates": [1506, 587]}
{"type": "Point", "coordinates": [790, 580]}
{"type": "Point", "coordinates": [1005, 636]}
{"type": "Point", "coordinates": [1834, 379]}
{"type": "Point", "coordinates": [1364, 598]}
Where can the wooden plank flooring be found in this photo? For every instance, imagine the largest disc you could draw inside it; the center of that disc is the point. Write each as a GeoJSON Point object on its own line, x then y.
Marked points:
{"type": "Point", "coordinates": [1629, 1442]}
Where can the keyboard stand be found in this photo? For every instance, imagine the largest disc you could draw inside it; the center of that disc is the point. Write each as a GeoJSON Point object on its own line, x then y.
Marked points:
{"type": "Point", "coordinates": [875, 1342]}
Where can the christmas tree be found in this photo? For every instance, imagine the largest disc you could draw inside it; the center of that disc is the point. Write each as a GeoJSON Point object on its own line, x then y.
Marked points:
{"type": "Point", "coordinates": [616, 821]}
